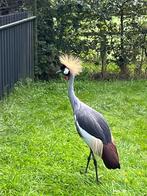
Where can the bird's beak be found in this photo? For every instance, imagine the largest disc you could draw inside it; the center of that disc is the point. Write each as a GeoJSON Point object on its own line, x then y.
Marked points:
{"type": "Point", "coordinates": [59, 71]}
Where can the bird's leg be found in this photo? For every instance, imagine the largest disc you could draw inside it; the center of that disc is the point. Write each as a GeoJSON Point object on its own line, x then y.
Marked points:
{"type": "Point", "coordinates": [95, 165]}
{"type": "Point", "coordinates": [88, 160]}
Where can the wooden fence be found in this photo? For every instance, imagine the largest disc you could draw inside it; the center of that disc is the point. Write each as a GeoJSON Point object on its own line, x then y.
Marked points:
{"type": "Point", "coordinates": [16, 51]}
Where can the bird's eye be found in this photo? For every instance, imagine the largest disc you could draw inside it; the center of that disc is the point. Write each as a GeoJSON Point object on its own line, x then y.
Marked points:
{"type": "Point", "coordinates": [66, 71]}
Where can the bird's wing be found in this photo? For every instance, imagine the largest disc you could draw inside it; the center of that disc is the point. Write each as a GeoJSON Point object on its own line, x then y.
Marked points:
{"type": "Point", "coordinates": [93, 123]}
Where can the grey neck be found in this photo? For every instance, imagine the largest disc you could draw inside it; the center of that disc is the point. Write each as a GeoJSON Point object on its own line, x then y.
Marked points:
{"type": "Point", "coordinates": [73, 99]}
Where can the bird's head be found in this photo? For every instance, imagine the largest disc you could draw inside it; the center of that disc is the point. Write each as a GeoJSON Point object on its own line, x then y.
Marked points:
{"type": "Point", "coordinates": [69, 65]}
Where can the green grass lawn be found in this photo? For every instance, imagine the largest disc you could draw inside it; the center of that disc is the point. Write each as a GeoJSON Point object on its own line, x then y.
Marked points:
{"type": "Point", "coordinates": [42, 154]}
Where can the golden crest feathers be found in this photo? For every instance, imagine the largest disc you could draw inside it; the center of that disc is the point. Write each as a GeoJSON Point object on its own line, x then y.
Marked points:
{"type": "Point", "coordinates": [72, 63]}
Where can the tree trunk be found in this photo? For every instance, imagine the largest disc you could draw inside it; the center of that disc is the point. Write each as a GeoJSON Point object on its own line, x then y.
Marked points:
{"type": "Point", "coordinates": [103, 54]}
{"type": "Point", "coordinates": [138, 69]}
{"type": "Point", "coordinates": [122, 58]}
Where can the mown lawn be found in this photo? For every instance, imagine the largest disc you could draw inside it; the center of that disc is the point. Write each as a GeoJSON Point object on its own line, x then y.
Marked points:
{"type": "Point", "coordinates": [42, 154]}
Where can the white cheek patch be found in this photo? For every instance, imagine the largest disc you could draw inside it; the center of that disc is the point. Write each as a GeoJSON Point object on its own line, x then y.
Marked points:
{"type": "Point", "coordinates": [66, 71]}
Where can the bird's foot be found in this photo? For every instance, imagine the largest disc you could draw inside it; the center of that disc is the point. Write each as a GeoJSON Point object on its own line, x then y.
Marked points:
{"type": "Point", "coordinates": [82, 171]}
{"type": "Point", "coordinates": [98, 181]}
{"type": "Point", "coordinates": [86, 171]}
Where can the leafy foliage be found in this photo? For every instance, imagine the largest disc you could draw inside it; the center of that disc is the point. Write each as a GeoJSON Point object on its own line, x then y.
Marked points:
{"type": "Point", "coordinates": [47, 51]}
{"type": "Point", "coordinates": [101, 31]}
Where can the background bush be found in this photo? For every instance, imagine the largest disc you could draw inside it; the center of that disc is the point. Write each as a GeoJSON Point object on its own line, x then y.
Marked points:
{"type": "Point", "coordinates": [104, 32]}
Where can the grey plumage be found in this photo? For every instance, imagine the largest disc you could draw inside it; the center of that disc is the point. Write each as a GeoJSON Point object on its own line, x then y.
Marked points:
{"type": "Point", "coordinates": [93, 122]}
{"type": "Point", "coordinates": [88, 119]}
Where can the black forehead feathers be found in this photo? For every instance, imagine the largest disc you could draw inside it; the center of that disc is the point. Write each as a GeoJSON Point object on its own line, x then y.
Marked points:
{"type": "Point", "coordinates": [62, 67]}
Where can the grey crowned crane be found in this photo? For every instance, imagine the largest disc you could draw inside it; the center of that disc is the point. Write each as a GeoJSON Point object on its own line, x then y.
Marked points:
{"type": "Point", "coordinates": [90, 124]}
